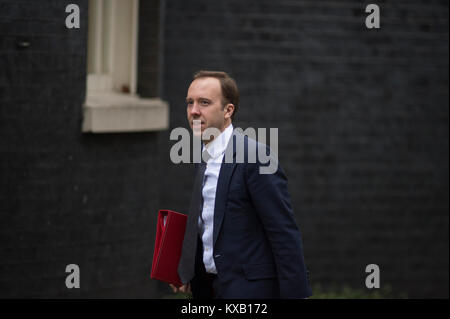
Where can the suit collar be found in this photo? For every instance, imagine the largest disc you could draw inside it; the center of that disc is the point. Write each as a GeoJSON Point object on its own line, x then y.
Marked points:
{"type": "Point", "coordinates": [218, 146]}
{"type": "Point", "coordinates": [223, 183]}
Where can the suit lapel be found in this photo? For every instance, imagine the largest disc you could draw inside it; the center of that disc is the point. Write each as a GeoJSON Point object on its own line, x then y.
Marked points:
{"type": "Point", "coordinates": [223, 183]}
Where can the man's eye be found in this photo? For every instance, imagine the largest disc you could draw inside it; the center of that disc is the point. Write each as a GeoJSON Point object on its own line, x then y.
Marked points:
{"type": "Point", "coordinates": [204, 102]}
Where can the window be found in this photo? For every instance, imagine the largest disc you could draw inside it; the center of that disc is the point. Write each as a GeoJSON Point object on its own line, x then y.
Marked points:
{"type": "Point", "coordinates": [112, 103]}
{"type": "Point", "coordinates": [112, 46]}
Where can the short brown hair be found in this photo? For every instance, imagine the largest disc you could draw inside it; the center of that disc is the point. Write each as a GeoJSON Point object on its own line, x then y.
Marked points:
{"type": "Point", "coordinates": [230, 92]}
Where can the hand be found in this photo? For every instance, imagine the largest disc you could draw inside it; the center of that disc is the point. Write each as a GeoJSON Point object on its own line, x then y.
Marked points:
{"type": "Point", "coordinates": [186, 289]}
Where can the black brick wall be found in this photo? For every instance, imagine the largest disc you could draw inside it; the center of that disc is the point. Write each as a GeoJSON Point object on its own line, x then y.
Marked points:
{"type": "Point", "coordinates": [67, 197]}
{"type": "Point", "coordinates": [362, 118]}
{"type": "Point", "coordinates": [363, 136]}
{"type": "Point", "coordinates": [150, 52]}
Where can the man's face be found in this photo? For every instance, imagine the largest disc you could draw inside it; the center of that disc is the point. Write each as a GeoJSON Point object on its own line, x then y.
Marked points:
{"type": "Point", "coordinates": [204, 103]}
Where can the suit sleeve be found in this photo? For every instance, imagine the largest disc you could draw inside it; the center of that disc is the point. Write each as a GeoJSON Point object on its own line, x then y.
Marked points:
{"type": "Point", "coordinates": [270, 197]}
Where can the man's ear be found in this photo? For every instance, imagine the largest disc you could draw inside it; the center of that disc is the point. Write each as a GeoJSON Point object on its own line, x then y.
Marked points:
{"type": "Point", "coordinates": [229, 110]}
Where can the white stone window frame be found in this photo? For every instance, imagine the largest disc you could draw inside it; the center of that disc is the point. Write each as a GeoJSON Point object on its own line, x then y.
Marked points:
{"type": "Point", "coordinates": [112, 104]}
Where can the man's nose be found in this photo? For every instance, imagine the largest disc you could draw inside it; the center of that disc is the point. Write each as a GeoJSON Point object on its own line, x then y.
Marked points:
{"type": "Point", "coordinates": [195, 110]}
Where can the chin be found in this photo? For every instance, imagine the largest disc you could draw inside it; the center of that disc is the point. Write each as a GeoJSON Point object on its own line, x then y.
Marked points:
{"type": "Point", "coordinates": [201, 127]}
{"type": "Point", "coordinates": [197, 134]}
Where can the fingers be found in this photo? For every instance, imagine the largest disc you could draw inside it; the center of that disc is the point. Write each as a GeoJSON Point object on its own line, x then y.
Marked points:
{"type": "Point", "coordinates": [183, 289]}
{"type": "Point", "coordinates": [186, 288]}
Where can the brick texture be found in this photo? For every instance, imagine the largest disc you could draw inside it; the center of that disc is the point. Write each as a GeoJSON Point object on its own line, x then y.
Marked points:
{"type": "Point", "coordinates": [67, 197]}
{"type": "Point", "coordinates": [363, 137]}
{"type": "Point", "coordinates": [362, 117]}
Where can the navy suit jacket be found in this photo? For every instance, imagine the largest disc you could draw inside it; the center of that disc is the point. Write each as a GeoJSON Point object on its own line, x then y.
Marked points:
{"type": "Point", "coordinates": [257, 245]}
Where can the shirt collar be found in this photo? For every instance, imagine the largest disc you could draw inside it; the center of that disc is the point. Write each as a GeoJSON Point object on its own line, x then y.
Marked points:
{"type": "Point", "coordinates": [219, 144]}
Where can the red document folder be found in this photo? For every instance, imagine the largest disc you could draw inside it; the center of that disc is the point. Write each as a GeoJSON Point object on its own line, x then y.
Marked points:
{"type": "Point", "coordinates": [170, 230]}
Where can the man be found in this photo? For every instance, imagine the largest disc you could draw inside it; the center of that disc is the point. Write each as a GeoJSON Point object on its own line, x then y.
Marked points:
{"type": "Point", "coordinates": [241, 238]}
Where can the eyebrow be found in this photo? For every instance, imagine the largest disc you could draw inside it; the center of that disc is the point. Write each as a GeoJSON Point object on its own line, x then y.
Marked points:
{"type": "Point", "coordinates": [200, 98]}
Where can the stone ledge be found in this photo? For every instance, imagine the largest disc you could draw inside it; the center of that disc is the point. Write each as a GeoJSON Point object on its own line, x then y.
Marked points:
{"type": "Point", "coordinates": [115, 112]}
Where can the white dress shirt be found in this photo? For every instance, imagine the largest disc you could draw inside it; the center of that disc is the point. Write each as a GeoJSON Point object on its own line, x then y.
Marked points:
{"type": "Point", "coordinates": [216, 149]}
